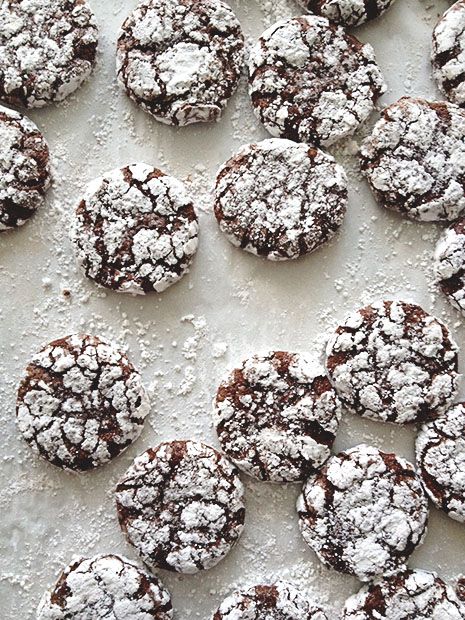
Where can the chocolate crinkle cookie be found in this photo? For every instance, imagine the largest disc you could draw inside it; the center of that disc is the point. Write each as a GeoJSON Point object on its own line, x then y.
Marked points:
{"type": "Point", "coordinates": [347, 12]}
{"type": "Point", "coordinates": [393, 362]}
{"type": "Point", "coordinates": [440, 449]}
{"type": "Point", "coordinates": [47, 49]}
{"type": "Point", "coordinates": [24, 169]}
{"type": "Point", "coordinates": [311, 82]}
{"type": "Point", "coordinates": [415, 159]}
{"type": "Point", "coordinates": [135, 230]}
{"type": "Point", "coordinates": [279, 601]}
{"type": "Point", "coordinates": [181, 506]}
{"type": "Point", "coordinates": [280, 199]}
{"type": "Point", "coordinates": [407, 595]}
{"type": "Point", "coordinates": [106, 587]}
{"type": "Point", "coordinates": [448, 54]}
{"type": "Point", "coordinates": [277, 416]}
{"type": "Point", "coordinates": [80, 402]}
{"type": "Point", "coordinates": [364, 513]}
{"type": "Point", "coordinates": [449, 264]}
{"type": "Point", "coordinates": [181, 60]}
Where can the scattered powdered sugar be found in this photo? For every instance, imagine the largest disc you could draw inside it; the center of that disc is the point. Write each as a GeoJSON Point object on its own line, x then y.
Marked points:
{"type": "Point", "coordinates": [280, 199]}
{"type": "Point", "coordinates": [448, 55]}
{"type": "Point", "coordinates": [181, 506]}
{"type": "Point", "coordinates": [392, 361]}
{"type": "Point", "coordinates": [347, 12]}
{"type": "Point", "coordinates": [449, 264]}
{"type": "Point", "coordinates": [364, 513]}
{"type": "Point", "coordinates": [47, 49]}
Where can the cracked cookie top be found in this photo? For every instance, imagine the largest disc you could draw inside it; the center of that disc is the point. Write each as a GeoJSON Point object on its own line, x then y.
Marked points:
{"type": "Point", "coordinates": [448, 53]}
{"type": "Point", "coordinates": [181, 60]}
{"type": "Point", "coordinates": [407, 595]}
{"type": "Point", "coordinates": [279, 601]}
{"type": "Point", "coordinates": [364, 513]}
{"type": "Point", "coordinates": [47, 49]}
{"type": "Point", "coordinates": [280, 199]}
{"type": "Point", "coordinates": [277, 416]}
{"type": "Point", "coordinates": [135, 230]}
{"type": "Point", "coordinates": [449, 264]}
{"type": "Point", "coordinates": [440, 450]}
{"type": "Point", "coordinates": [105, 587]}
{"type": "Point", "coordinates": [181, 506]}
{"type": "Point", "coordinates": [24, 169]}
{"type": "Point", "coordinates": [80, 402]}
{"type": "Point", "coordinates": [391, 361]}
{"type": "Point", "coordinates": [415, 159]}
{"type": "Point", "coordinates": [347, 12]}
{"type": "Point", "coordinates": [311, 82]}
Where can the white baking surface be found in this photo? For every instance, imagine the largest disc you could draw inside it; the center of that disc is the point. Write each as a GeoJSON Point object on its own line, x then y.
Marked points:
{"type": "Point", "coordinates": [230, 305]}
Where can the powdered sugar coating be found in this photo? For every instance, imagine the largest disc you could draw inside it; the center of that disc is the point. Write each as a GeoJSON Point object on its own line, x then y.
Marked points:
{"type": "Point", "coordinates": [279, 601]}
{"type": "Point", "coordinates": [181, 506]}
{"type": "Point", "coordinates": [415, 159]}
{"type": "Point", "coordinates": [135, 230]}
{"type": "Point", "coordinates": [47, 49]}
{"type": "Point", "coordinates": [347, 12]}
{"type": "Point", "coordinates": [448, 54]}
{"type": "Point", "coordinates": [312, 82]}
{"type": "Point", "coordinates": [364, 513]}
{"type": "Point", "coordinates": [106, 587]}
{"type": "Point", "coordinates": [280, 199]}
{"type": "Point", "coordinates": [181, 60]}
{"type": "Point", "coordinates": [277, 416]}
{"type": "Point", "coordinates": [408, 595]}
{"type": "Point", "coordinates": [440, 450]}
{"type": "Point", "coordinates": [391, 361]}
{"type": "Point", "coordinates": [81, 402]}
{"type": "Point", "coordinates": [24, 169]}
{"type": "Point", "coordinates": [449, 264]}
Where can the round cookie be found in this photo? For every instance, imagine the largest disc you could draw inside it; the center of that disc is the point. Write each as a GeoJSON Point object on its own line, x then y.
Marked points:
{"type": "Point", "coordinates": [347, 12]}
{"type": "Point", "coordinates": [24, 169]}
{"type": "Point", "coordinates": [364, 513]}
{"type": "Point", "coordinates": [279, 601]}
{"type": "Point", "coordinates": [407, 595]}
{"type": "Point", "coordinates": [136, 230]}
{"type": "Point", "coordinates": [81, 402]}
{"type": "Point", "coordinates": [280, 199]}
{"type": "Point", "coordinates": [47, 49]}
{"type": "Point", "coordinates": [449, 264]}
{"type": "Point", "coordinates": [440, 450]}
{"type": "Point", "coordinates": [448, 53]}
{"type": "Point", "coordinates": [106, 587]}
{"type": "Point", "coordinates": [277, 416]}
{"type": "Point", "coordinates": [311, 82]}
{"type": "Point", "coordinates": [181, 60]}
{"type": "Point", "coordinates": [181, 505]}
{"type": "Point", "coordinates": [393, 362]}
{"type": "Point", "coordinates": [415, 159]}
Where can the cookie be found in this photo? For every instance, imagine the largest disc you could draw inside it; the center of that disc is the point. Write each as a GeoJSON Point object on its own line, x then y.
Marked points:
{"type": "Point", "coordinates": [448, 53]}
{"type": "Point", "coordinates": [280, 199]}
{"type": "Point", "coordinates": [136, 230]}
{"type": "Point", "coordinates": [181, 60]}
{"type": "Point", "coordinates": [408, 595]}
{"type": "Point", "coordinates": [24, 169]}
{"type": "Point", "coordinates": [277, 416]}
{"type": "Point", "coordinates": [393, 362]}
{"type": "Point", "coordinates": [47, 50]}
{"type": "Point", "coordinates": [181, 505]}
{"type": "Point", "coordinates": [311, 82]}
{"type": "Point", "coordinates": [347, 12]}
{"type": "Point", "coordinates": [81, 402]}
{"type": "Point", "coordinates": [415, 159]}
{"type": "Point", "coordinates": [449, 264]}
{"type": "Point", "coordinates": [364, 513]}
{"type": "Point", "coordinates": [105, 587]}
{"type": "Point", "coordinates": [279, 601]}
{"type": "Point", "coordinates": [440, 450]}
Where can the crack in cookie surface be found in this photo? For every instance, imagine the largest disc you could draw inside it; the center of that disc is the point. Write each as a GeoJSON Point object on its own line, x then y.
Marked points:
{"type": "Point", "coordinates": [347, 12]}
{"type": "Point", "coordinates": [448, 53]}
{"type": "Point", "coordinates": [449, 264]}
